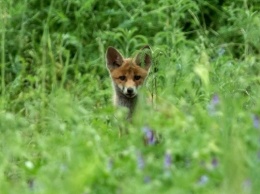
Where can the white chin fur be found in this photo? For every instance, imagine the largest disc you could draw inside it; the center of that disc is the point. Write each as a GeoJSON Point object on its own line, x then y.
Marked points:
{"type": "Point", "coordinates": [132, 96]}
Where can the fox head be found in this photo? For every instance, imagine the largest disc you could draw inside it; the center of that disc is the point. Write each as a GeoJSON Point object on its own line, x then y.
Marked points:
{"type": "Point", "coordinates": [128, 74]}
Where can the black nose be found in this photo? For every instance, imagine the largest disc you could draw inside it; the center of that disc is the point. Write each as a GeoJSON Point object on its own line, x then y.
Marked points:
{"type": "Point", "coordinates": [130, 90]}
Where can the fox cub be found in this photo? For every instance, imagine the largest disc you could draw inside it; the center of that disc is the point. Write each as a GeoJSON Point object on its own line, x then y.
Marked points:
{"type": "Point", "coordinates": [127, 75]}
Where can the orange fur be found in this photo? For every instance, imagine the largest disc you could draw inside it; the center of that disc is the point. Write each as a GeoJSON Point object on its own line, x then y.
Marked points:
{"type": "Point", "coordinates": [127, 75]}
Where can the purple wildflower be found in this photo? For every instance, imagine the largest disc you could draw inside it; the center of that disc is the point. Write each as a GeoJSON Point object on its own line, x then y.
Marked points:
{"type": "Point", "coordinates": [247, 185]}
{"type": "Point", "coordinates": [31, 184]}
{"type": "Point", "coordinates": [215, 100]}
{"type": "Point", "coordinates": [213, 104]}
{"type": "Point", "coordinates": [149, 136]}
{"type": "Point", "coordinates": [214, 162]}
{"type": "Point", "coordinates": [167, 164]}
{"type": "Point", "coordinates": [203, 180]}
{"type": "Point", "coordinates": [258, 155]}
{"type": "Point", "coordinates": [167, 160]}
{"type": "Point", "coordinates": [147, 179]}
{"type": "Point", "coordinates": [221, 51]}
{"type": "Point", "coordinates": [140, 161]}
{"type": "Point", "coordinates": [110, 164]}
{"type": "Point", "coordinates": [256, 121]}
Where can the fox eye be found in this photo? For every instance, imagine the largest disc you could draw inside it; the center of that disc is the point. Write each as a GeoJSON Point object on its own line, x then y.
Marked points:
{"type": "Point", "coordinates": [137, 77]}
{"type": "Point", "coordinates": [122, 78]}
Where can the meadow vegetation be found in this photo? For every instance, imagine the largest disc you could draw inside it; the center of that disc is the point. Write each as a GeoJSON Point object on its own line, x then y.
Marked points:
{"type": "Point", "coordinates": [197, 127]}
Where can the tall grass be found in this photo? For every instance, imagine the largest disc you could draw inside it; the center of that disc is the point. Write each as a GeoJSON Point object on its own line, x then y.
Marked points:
{"type": "Point", "coordinates": [196, 129]}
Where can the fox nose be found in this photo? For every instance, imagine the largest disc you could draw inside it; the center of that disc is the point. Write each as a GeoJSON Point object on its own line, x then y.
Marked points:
{"type": "Point", "coordinates": [130, 90]}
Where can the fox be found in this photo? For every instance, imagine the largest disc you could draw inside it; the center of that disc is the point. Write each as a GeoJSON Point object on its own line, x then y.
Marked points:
{"type": "Point", "coordinates": [128, 75]}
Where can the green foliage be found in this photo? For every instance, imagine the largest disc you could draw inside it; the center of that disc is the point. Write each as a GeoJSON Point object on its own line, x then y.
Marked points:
{"type": "Point", "coordinates": [60, 132]}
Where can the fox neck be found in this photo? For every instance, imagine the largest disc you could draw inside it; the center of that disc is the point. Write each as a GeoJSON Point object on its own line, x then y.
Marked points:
{"type": "Point", "coordinates": [122, 100]}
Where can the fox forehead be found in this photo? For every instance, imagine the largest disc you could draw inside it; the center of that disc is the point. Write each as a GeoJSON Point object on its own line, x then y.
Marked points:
{"type": "Point", "coordinates": [128, 68]}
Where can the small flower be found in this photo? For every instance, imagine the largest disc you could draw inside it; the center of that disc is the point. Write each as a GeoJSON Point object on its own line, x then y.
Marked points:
{"type": "Point", "coordinates": [247, 186]}
{"type": "Point", "coordinates": [214, 162]}
{"type": "Point", "coordinates": [215, 100]}
{"type": "Point", "coordinates": [140, 161]}
{"type": "Point", "coordinates": [258, 155]}
{"type": "Point", "coordinates": [213, 104]}
{"type": "Point", "coordinates": [203, 180]}
{"type": "Point", "coordinates": [167, 164]}
{"type": "Point", "coordinates": [256, 121]}
{"type": "Point", "coordinates": [147, 179]}
{"type": "Point", "coordinates": [149, 136]}
{"type": "Point", "coordinates": [221, 51]}
{"type": "Point", "coordinates": [110, 164]}
{"type": "Point", "coordinates": [31, 184]}
{"type": "Point", "coordinates": [167, 160]}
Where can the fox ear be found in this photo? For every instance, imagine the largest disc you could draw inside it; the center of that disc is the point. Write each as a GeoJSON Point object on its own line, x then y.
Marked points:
{"type": "Point", "coordinates": [144, 58]}
{"type": "Point", "coordinates": [114, 58]}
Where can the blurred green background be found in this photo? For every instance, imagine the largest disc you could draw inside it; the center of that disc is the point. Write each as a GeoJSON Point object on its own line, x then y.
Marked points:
{"type": "Point", "coordinates": [60, 131]}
